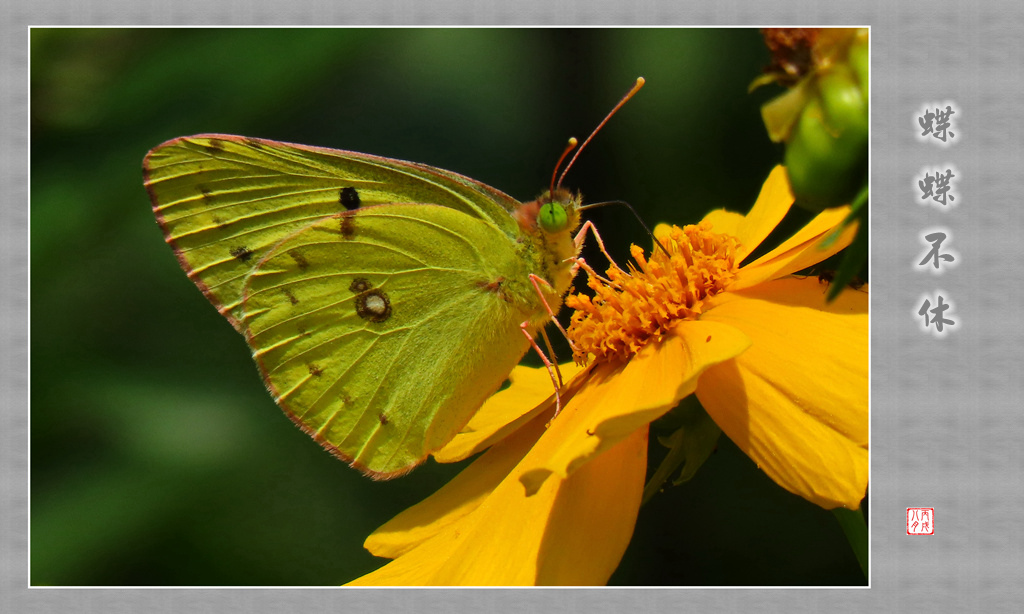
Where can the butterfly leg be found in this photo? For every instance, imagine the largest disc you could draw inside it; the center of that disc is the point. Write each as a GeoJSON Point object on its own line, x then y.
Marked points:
{"type": "Point", "coordinates": [554, 358]}
{"type": "Point", "coordinates": [547, 363]}
{"type": "Point", "coordinates": [581, 235]}
{"type": "Point", "coordinates": [536, 281]}
{"type": "Point", "coordinates": [580, 263]}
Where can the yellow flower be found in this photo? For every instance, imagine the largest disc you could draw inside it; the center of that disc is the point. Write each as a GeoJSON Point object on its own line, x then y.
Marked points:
{"type": "Point", "coordinates": [780, 371]}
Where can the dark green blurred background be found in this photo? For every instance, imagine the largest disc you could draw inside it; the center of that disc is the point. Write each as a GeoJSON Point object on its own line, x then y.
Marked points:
{"type": "Point", "coordinates": [157, 456]}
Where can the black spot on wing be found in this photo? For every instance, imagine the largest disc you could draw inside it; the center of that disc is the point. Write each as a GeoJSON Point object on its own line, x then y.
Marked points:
{"type": "Point", "coordinates": [383, 419]}
{"type": "Point", "coordinates": [314, 370]}
{"type": "Point", "coordinates": [242, 253]}
{"type": "Point", "coordinates": [349, 198]}
{"type": "Point", "coordinates": [291, 297]}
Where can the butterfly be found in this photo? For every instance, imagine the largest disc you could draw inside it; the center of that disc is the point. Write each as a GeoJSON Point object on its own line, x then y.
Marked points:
{"type": "Point", "coordinates": [384, 301]}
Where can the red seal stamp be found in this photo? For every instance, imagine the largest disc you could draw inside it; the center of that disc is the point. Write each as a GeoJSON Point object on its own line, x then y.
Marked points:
{"type": "Point", "coordinates": [920, 521]}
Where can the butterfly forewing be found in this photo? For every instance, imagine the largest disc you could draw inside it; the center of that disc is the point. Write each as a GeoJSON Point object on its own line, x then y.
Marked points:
{"type": "Point", "coordinates": [381, 331]}
{"type": "Point", "coordinates": [224, 201]}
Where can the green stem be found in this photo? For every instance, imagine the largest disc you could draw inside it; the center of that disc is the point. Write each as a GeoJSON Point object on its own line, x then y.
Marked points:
{"type": "Point", "coordinates": [856, 530]}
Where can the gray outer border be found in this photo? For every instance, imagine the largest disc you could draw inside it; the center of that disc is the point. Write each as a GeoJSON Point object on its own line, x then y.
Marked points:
{"type": "Point", "coordinates": [946, 418]}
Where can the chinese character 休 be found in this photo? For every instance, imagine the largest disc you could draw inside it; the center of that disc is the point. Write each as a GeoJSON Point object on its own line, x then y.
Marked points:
{"type": "Point", "coordinates": [935, 316]}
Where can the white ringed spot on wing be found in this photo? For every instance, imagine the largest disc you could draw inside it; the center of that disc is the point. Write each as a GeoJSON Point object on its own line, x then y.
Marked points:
{"type": "Point", "coordinates": [373, 305]}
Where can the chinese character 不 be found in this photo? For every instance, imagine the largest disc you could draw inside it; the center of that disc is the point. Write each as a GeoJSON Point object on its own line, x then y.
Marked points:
{"type": "Point", "coordinates": [941, 122]}
{"type": "Point", "coordinates": [936, 312]}
{"type": "Point", "coordinates": [937, 187]}
{"type": "Point", "coordinates": [936, 239]}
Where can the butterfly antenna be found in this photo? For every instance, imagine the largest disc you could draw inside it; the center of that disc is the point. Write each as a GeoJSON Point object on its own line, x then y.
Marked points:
{"type": "Point", "coordinates": [568, 148]}
{"type": "Point", "coordinates": [635, 214]}
{"type": "Point", "coordinates": [636, 88]}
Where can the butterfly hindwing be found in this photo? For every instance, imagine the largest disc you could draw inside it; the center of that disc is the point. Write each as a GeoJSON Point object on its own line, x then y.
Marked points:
{"type": "Point", "coordinates": [224, 201]}
{"type": "Point", "coordinates": [382, 330]}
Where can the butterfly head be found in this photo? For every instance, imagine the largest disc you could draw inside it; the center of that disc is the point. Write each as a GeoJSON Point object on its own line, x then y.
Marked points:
{"type": "Point", "coordinates": [552, 217]}
{"type": "Point", "coordinates": [554, 212]}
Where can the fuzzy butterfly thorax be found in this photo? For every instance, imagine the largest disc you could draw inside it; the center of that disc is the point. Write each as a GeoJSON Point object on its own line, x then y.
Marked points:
{"type": "Point", "coordinates": [550, 223]}
{"type": "Point", "coordinates": [383, 300]}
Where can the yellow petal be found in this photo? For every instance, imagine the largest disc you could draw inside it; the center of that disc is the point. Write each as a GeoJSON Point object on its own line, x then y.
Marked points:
{"type": "Point", "coordinates": [770, 207]}
{"type": "Point", "coordinates": [782, 112]}
{"type": "Point", "coordinates": [797, 400]}
{"type": "Point", "coordinates": [457, 498]}
{"type": "Point", "coordinates": [617, 400]}
{"type": "Point", "coordinates": [722, 222]}
{"type": "Point", "coordinates": [809, 246]}
{"type": "Point", "coordinates": [571, 532]}
{"type": "Point", "coordinates": [530, 393]}
{"type": "Point", "coordinates": [662, 230]}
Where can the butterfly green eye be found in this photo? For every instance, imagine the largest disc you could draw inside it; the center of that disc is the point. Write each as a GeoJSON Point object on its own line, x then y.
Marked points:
{"type": "Point", "coordinates": [552, 217]}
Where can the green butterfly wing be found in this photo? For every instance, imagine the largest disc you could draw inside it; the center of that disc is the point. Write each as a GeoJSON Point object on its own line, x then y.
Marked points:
{"type": "Point", "coordinates": [223, 201]}
{"type": "Point", "coordinates": [367, 327]}
{"type": "Point", "coordinates": [382, 299]}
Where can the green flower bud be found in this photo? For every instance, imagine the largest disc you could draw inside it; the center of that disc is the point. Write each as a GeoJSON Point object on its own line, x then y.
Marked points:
{"type": "Point", "coordinates": [858, 60]}
{"type": "Point", "coordinates": [826, 157]}
{"type": "Point", "coordinates": [823, 117]}
{"type": "Point", "coordinates": [846, 109]}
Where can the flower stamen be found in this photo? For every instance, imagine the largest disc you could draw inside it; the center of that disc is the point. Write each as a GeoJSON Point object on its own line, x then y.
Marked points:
{"type": "Point", "coordinates": [633, 307]}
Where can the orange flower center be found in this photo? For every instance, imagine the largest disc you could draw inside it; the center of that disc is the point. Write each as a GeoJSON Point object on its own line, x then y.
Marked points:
{"type": "Point", "coordinates": [629, 309]}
